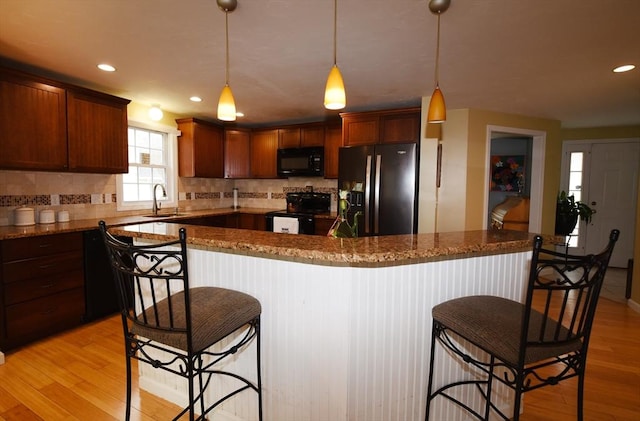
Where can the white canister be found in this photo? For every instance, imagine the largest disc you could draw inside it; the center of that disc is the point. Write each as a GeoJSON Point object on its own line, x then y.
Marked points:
{"type": "Point", "coordinates": [63, 216]}
{"type": "Point", "coordinates": [24, 216]}
{"type": "Point", "coordinates": [47, 216]}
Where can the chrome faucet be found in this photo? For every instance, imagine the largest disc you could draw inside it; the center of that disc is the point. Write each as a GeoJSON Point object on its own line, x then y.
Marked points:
{"type": "Point", "coordinates": [156, 206]}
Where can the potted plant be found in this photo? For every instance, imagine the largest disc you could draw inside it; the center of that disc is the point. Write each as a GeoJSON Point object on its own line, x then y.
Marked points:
{"type": "Point", "coordinates": [568, 211]}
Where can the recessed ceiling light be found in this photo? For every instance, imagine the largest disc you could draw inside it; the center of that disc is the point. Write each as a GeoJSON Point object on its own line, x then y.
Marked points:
{"type": "Point", "coordinates": [196, 99]}
{"type": "Point", "coordinates": [624, 68]}
{"type": "Point", "coordinates": [106, 67]}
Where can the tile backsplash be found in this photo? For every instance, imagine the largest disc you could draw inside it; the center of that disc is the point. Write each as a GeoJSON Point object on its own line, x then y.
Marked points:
{"type": "Point", "coordinates": [90, 196]}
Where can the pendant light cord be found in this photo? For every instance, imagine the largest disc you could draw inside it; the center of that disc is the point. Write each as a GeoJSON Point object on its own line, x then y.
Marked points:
{"type": "Point", "coordinates": [437, 76]}
{"type": "Point", "coordinates": [226, 25]}
{"type": "Point", "coordinates": [335, 32]}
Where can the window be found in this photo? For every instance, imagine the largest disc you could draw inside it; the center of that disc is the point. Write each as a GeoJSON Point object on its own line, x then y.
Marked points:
{"type": "Point", "coordinates": [575, 188]}
{"type": "Point", "coordinates": [151, 162]}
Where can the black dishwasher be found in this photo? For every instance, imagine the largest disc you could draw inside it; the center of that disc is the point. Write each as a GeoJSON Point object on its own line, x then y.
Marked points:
{"type": "Point", "coordinates": [99, 287]}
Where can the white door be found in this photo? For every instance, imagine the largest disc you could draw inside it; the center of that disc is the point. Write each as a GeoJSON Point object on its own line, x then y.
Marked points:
{"type": "Point", "coordinates": [613, 178]}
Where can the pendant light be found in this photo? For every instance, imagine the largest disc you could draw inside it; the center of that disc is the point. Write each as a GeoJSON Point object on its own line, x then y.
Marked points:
{"type": "Point", "coordinates": [334, 95]}
{"type": "Point", "coordinates": [226, 103]}
{"type": "Point", "coordinates": [437, 110]}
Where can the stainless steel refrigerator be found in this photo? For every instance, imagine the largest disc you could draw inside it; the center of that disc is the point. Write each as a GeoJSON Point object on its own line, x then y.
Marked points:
{"type": "Point", "coordinates": [382, 184]}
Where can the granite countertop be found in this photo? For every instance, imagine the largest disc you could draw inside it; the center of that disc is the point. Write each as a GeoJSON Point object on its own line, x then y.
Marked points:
{"type": "Point", "coordinates": [9, 232]}
{"type": "Point", "coordinates": [357, 252]}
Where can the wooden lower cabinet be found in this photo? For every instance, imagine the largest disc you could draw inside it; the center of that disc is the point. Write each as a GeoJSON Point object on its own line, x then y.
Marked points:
{"type": "Point", "coordinates": [323, 225]}
{"type": "Point", "coordinates": [41, 288]}
{"type": "Point", "coordinates": [252, 221]}
{"type": "Point", "coordinates": [249, 221]}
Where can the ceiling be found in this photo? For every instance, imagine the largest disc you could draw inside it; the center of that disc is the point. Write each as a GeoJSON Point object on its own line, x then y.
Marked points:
{"type": "Point", "coordinates": [540, 58]}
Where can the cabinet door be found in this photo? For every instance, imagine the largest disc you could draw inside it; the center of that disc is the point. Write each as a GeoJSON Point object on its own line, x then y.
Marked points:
{"type": "Point", "coordinates": [312, 135]}
{"type": "Point", "coordinates": [289, 137]}
{"type": "Point", "coordinates": [97, 133]}
{"type": "Point", "coordinates": [252, 221]}
{"type": "Point", "coordinates": [237, 146]}
{"type": "Point", "coordinates": [264, 146]}
{"type": "Point", "coordinates": [33, 125]}
{"type": "Point", "coordinates": [323, 225]}
{"type": "Point", "coordinates": [400, 128]}
{"type": "Point", "coordinates": [332, 144]}
{"type": "Point", "coordinates": [200, 149]}
{"type": "Point", "coordinates": [361, 130]}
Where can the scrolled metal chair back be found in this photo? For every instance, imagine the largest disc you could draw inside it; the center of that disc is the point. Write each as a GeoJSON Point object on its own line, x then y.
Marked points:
{"type": "Point", "coordinates": [148, 274]}
{"type": "Point", "coordinates": [566, 289]}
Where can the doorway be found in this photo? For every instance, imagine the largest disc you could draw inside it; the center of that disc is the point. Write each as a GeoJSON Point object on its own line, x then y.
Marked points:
{"type": "Point", "coordinates": [534, 142]}
{"type": "Point", "coordinates": [604, 175]}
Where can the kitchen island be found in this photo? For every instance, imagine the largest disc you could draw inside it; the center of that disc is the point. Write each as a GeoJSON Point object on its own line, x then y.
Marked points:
{"type": "Point", "coordinates": [346, 323]}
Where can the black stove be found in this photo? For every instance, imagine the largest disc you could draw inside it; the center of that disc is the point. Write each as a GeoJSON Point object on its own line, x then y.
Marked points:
{"type": "Point", "coordinates": [297, 218]}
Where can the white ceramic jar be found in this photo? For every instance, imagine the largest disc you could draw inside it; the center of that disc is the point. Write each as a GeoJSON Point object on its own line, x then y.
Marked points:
{"type": "Point", "coordinates": [63, 216]}
{"type": "Point", "coordinates": [47, 216]}
{"type": "Point", "coordinates": [24, 216]}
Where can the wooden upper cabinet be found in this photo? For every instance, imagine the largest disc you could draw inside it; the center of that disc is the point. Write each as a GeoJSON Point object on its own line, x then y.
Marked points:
{"type": "Point", "coordinates": [332, 144]}
{"type": "Point", "coordinates": [33, 124]}
{"type": "Point", "coordinates": [237, 147]}
{"type": "Point", "coordinates": [400, 127]}
{"type": "Point", "coordinates": [200, 149]}
{"type": "Point", "coordinates": [264, 147]}
{"type": "Point", "coordinates": [47, 125]}
{"type": "Point", "coordinates": [360, 130]}
{"type": "Point", "coordinates": [391, 126]}
{"type": "Point", "coordinates": [301, 136]}
{"type": "Point", "coordinates": [289, 137]}
{"type": "Point", "coordinates": [97, 132]}
{"type": "Point", "coordinates": [312, 135]}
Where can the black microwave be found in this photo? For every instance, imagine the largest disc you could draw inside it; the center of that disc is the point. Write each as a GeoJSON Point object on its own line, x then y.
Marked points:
{"type": "Point", "coordinates": [301, 162]}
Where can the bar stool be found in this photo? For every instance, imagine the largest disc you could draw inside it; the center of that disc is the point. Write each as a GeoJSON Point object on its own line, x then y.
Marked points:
{"type": "Point", "coordinates": [527, 345]}
{"type": "Point", "coordinates": [173, 327]}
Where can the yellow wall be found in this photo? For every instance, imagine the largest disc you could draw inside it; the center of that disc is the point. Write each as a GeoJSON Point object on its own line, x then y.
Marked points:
{"type": "Point", "coordinates": [621, 132]}
{"type": "Point", "coordinates": [140, 112]}
{"type": "Point", "coordinates": [461, 200]}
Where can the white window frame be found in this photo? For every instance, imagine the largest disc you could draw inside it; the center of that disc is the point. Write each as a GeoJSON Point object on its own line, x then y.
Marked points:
{"type": "Point", "coordinates": [171, 201]}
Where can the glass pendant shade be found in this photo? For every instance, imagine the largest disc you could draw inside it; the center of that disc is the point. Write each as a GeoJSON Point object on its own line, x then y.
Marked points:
{"type": "Point", "coordinates": [226, 105]}
{"type": "Point", "coordinates": [334, 95]}
{"type": "Point", "coordinates": [437, 111]}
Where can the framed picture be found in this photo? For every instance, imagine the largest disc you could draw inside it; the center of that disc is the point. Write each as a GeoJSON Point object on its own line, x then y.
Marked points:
{"type": "Point", "coordinates": [507, 173]}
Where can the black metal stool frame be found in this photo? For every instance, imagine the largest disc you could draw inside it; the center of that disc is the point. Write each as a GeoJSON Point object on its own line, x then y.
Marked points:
{"type": "Point", "coordinates": [133, 264]}
{"type": "Point", "coordinates": [539, 331]}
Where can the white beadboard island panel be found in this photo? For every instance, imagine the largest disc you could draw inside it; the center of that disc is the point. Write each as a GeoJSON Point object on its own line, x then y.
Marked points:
{"type": "Point", "coordinates": [346, 343]}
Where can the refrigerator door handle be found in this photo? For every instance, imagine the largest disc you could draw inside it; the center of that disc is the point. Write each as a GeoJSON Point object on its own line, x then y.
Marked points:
{"type": "Point", "coordinates": [376, 200]}
{"type": "Point", "coordinates": [367, 195]}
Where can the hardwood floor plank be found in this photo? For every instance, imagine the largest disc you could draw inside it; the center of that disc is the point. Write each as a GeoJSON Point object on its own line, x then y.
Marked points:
{"type": "Point", "coordinates": [31, 397]}
{"type": "Point", "coordinates": [80, 408]}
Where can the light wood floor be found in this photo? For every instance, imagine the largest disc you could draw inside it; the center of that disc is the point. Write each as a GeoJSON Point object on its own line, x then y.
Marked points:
{"type": "Point", "coordinates": [79, 375]}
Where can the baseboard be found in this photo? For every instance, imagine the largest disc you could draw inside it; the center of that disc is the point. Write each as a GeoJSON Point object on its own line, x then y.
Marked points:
{"type": "Point", "coordinates": [633, 305]}
{"type": "Point", "coordinates": [169, 394]}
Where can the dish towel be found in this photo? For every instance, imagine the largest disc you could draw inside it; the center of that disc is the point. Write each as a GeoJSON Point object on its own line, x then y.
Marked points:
{"type": "Point", "coordinates": [286, 225]}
